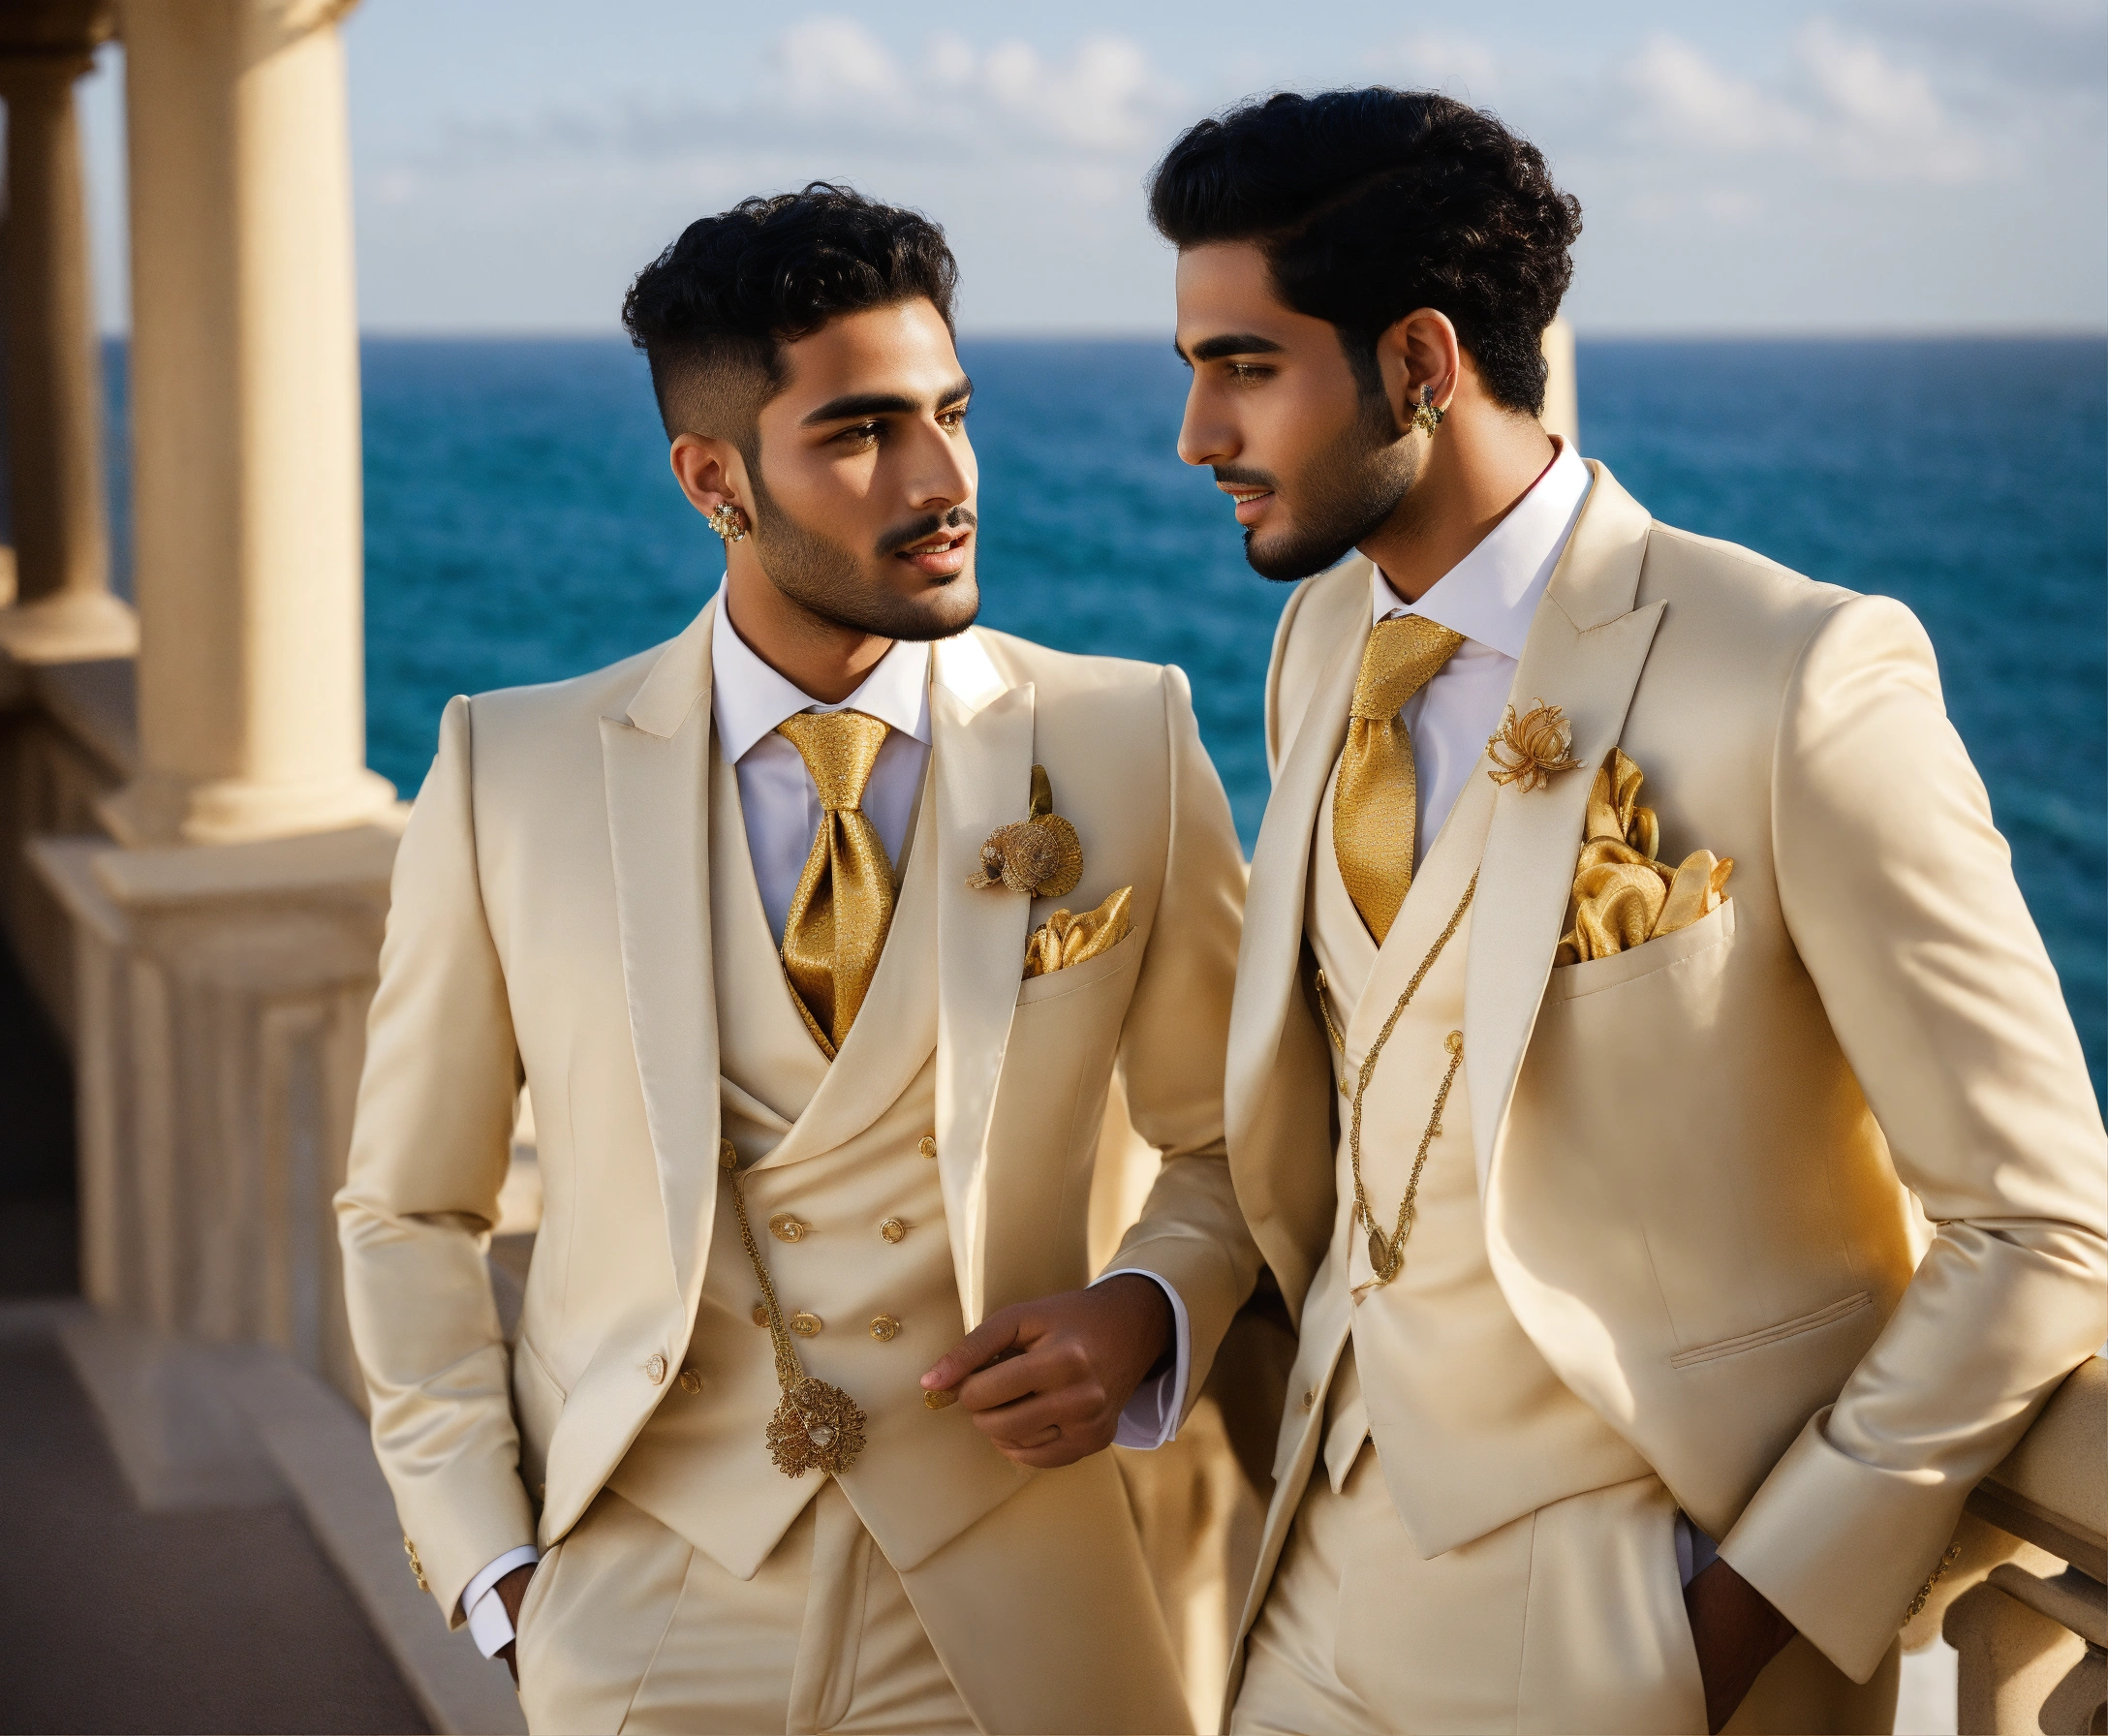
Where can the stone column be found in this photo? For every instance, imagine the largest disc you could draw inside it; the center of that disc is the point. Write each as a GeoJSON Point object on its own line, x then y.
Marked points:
{"type": "Point", "coordinates": [63, 609]}
{"type": "Point", "coordinates": [245, 427]}
{"type": "Point", "coordinates": [1561, 391]}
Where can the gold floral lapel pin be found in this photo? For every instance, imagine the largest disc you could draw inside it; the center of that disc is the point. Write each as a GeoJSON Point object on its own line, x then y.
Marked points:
{"type": "Point", "coordinates": [1528, 750]}
{"type": "Point", "coordinates": [1039, 856]}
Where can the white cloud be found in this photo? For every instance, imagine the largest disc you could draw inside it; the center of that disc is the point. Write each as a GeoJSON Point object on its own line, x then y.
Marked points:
{"type": "Point", "coordinates": [1459, 66]}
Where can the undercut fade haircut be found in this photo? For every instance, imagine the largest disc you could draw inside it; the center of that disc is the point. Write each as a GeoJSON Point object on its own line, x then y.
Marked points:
{"type": "Point", "coordinates": [713, 312]}
{"type": "Point", "coordinates": [1369, 204]}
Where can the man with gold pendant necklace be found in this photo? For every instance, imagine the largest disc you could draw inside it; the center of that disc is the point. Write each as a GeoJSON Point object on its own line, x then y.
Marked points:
{"type": "Point", "coordinates": [819, 935]}
{"type": "Point", "coordinates": [1629, 959]}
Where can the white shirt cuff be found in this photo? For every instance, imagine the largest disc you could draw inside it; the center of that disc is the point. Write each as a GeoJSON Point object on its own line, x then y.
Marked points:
{"type": "Point", "coordinates": [1151, 1417]}
{"type": "Point", "coordinates": [489, 1627]}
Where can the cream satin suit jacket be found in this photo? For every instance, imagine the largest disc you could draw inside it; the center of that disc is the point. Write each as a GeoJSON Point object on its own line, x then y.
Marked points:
{"type": "Point", "coordinates": [551, 923]}
{"type": "Point", "coordinates": [1707, 1164]}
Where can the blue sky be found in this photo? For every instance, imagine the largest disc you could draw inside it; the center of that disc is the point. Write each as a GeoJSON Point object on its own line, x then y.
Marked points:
{"type": "Point", "coordinates": [1862, 165]}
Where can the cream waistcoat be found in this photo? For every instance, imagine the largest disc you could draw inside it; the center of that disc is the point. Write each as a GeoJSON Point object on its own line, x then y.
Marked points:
{"type": "Point", "coordinates": [1473, 1427]}
{"type": "Point", "coordinates": [702, 1466]}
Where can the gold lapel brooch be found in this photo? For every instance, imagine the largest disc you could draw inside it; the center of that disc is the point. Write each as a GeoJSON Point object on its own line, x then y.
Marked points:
{"type": "Point", "coordinates": [1528, 750]}
{"type": "Point", "coordinates": [1039, 856]}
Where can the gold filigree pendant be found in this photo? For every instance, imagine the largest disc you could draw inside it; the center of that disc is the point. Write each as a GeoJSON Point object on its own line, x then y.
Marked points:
{"type": "Point", "coordinates": [1039, 856]}
{"type": "Point", "coordinates": [815, 1427]}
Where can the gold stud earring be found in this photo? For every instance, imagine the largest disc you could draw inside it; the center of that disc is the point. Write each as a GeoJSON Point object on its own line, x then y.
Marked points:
{"type": "Point", "coordinates": [728, 522]}
{"type": "Point", "coordinates": [1427, 417]}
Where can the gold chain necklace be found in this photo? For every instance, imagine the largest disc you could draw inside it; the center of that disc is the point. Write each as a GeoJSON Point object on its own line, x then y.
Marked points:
{"type": "Point", "coordinates": [815, 1427]}
{"type": "Point", "coordinates": [1387, 1252]}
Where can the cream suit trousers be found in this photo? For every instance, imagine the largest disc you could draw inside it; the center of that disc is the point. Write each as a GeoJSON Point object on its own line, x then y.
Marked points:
{"type": "Point", "coordinates": [628, 1627]}
{"type": "Point", "coordinates": [1568, 1619]}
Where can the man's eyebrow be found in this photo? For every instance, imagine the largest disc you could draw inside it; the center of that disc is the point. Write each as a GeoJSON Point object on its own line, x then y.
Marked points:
{"type": "Point", "coordinates": [1234, 343]}
{"type": "Point", "coordinates": [851, 405]}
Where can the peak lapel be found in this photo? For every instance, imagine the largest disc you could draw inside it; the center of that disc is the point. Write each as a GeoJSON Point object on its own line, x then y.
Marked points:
{"type": "Point", "coordinates": [1273, 918]}
{"type": "Point", "coordinates": [1586, 649]}
{"type": "Point", "coordinates": [980, 767]}
{"type": "Point", "coordinates": [655, 760]}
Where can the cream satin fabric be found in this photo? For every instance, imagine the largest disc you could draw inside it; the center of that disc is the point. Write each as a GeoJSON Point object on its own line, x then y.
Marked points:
{"type": "Point", "coordinates": [553, 917]}
{"type": "Point", "coordinates": [1693, 1156]}
{"type": "Point", "coordinates": [1375, 809]}
{"type": "Point", "coordinates": [844, 902]}
{"type": "Point", "coordinates": [627, 1626]}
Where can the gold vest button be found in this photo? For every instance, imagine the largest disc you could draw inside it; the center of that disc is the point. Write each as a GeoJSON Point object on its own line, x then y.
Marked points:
{"type": "Point", "coordinates": [1309, 1399]}
{"type": "Point", "coordinates": [884, 1327]}
{"type": "Point", "coordinates": [806, 1325]}
{"type": "Point", "coordinates": [788, 1226]}
{"type": "Point", "coordinates": [927, 1145]}
{"type": "Point", "coordinates": [943, 1398]}
{"type": "Point", "coordinates": [894, 1230]}
{"type": "Point", "coordinates": [726, 1156]}
{"type": "Point", "coordinates": [760, 1315]}
{"type": "Point", "coordinates": [654, 1369]}
{"type": "Point", "coordinates": [690, 1381]}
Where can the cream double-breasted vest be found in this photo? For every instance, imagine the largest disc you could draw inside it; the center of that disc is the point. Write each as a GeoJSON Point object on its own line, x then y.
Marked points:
{"type": "Point", "coordinates": [1472, 1425]}
{"type": "Point", "coordinates": [855, 1236]}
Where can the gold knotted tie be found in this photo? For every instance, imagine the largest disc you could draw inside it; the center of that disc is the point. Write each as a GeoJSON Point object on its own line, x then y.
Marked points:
{"type": "Point", "coordinates": [844, 902]}
{"type": "Point", "coordinates": [1374, 804]}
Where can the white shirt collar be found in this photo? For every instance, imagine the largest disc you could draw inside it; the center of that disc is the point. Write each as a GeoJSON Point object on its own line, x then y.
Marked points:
{"type": "Point", "coordinates": [748, 698]}
{"type": "Point", "coordinates": [1492, 594]}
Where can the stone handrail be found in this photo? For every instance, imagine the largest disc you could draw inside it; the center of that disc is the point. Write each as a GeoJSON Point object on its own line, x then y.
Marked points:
{"type": "Point", "coordinates": [2033, 1642]}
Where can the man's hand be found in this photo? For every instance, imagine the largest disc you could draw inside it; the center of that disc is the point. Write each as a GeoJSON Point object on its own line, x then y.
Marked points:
{"type": "Point", "coordinates": [512, 1592]}
{"type": "Point", "coordinates": [1046, 1381]}
{"type": "Point", "coordinates": [1737, 1633]}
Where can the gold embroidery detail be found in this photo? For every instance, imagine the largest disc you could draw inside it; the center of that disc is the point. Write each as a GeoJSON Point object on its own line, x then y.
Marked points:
{"type": "Point", "coordinates": [1925, 1590]}
{"type": "Point", "coordinates": [1528, 750]}
{"type": "Point", "coordinates": [1039, 856]}
{"type": "Point", "coordinates": [1066, 938]}
{"type": "Point", "coordinates": [1622, 897]}
{"type": "Point", "coordinates": [815, 1426]}
{"type": "Point", "coordinates": [1387, 1252]}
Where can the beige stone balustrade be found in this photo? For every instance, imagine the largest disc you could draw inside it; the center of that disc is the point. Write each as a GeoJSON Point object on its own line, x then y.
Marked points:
{"type": "Point", "coordinates": [62, 609]}
{"type": "Point", "coordinates": [2032, 1627]}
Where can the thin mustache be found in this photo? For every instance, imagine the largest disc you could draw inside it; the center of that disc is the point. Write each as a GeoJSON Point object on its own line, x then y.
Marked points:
{"type": "Point", "coordinates": [959, 519]}
{"type": "Point", "coordinates": [1242, 478]}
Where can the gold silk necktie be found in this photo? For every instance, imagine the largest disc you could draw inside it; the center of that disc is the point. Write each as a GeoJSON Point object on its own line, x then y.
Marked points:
{"type": "Point", "coordinates": [1375, 805]}
{"type": "Point", "coordinates": [844, 902]}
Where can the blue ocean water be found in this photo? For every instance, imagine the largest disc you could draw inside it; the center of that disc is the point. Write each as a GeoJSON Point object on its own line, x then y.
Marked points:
{"type": "Point", "coordinates": [521, 525]}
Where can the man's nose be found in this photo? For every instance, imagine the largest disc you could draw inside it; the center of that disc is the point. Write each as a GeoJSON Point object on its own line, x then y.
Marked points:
{"type": "Point", "coordinates": [945, 475]}
{"type": "Point", "coordinates": [1203, 437]}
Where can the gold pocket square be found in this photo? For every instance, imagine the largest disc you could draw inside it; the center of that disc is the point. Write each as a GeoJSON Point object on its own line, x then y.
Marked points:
{"type": "Point", "coordinates": [1622, 897]}
{"type": "Point", "coordinates": [1039, 856]}
{"type": "Point", "coordinates": [1066, 938]}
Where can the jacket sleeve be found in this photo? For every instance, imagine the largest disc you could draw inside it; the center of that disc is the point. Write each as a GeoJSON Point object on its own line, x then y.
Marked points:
{"type": "Point", "coordinates": [430, 1143]}
{"type": "Point", "coordinates": [1900, 896]}
{"type": "Point", "coordinates": [1191, 1232]}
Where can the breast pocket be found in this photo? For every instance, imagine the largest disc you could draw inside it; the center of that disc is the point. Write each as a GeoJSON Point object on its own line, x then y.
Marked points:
{"type": "Point", "coordinates": [1595, 975]}
{"type": "Point", "coordinates": [1079, 977]}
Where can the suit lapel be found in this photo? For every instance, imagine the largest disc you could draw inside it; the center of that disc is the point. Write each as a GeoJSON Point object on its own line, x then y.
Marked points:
{"type": "Point", "coordinates": [1586, 648]}
{"type": "Point", "coordinates": [655, 760]}
{"type": "Point", "coordinates": [1272, 941]}
{"type": "Point", "coordinates": [980, 768]}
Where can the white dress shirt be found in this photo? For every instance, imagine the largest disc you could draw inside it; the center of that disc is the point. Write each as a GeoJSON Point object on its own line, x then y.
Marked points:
{"type": "Point", "coordinates": [781, 804]}
{"type": "Point", "coordinates": [1490, 597]}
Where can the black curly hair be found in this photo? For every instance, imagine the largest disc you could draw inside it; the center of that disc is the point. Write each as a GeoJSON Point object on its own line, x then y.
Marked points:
{"type": "Point", "coordinates": [713, 312]}
{"type": "Point", "coordinates": [1369, 203]}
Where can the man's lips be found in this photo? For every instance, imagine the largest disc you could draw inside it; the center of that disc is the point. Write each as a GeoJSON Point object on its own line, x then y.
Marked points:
{"type": "Point", "coordinates": [1252, 503]}
{"type": "Point", "coordinates": [941, 556]}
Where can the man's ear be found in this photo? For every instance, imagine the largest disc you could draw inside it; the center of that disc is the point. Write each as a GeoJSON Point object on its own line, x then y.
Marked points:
{"type": "Point", "coordinates": [1420, 351]}
{"type": "Point", "coordinates": [711, 473]}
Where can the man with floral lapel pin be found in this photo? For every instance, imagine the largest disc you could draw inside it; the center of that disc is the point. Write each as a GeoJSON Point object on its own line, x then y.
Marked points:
{"type": "Point", "coordinates": [1634, 989]}
{"type": "Point", "coordinates": [817, 935]}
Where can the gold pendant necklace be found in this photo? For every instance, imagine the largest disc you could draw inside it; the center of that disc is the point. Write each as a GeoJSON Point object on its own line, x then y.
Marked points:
{"type": "Point", "coordinates": [815, 1426]}
{"type": "Point", "coordinates": [1387, 1252]}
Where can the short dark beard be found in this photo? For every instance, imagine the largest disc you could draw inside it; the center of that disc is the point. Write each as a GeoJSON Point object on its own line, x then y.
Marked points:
{"type": "Point", "coordinates": [1344, 495]}
{"type": "Point", "coordinates": [825, 578]}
